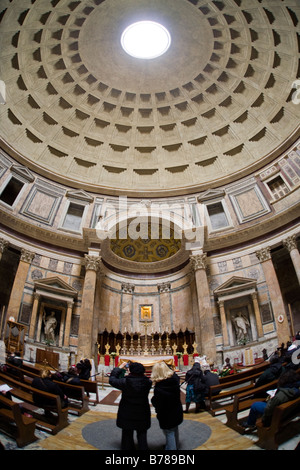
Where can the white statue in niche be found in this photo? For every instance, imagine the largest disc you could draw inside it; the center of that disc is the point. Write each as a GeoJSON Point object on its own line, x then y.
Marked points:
{"type": "Point", "coordinates": [240, 323]}
{"type": "Point", "coordinates": [50, 324]}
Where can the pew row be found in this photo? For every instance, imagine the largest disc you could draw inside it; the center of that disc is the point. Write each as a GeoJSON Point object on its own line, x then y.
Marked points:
{"type": "Point", "coordinates": [285, 424]}
{"type": "Point", "coordinates": [16, 424]}
{"type": "Point", "coordinates": [50, 416]}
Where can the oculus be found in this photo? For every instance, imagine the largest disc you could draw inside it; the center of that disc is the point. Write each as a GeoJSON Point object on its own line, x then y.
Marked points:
{"type": "Point", "coordinates": [145, 40]}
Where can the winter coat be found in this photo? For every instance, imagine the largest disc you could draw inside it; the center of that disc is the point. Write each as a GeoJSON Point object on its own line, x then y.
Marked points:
{"type": "Point", "coordinates": [47, 385]}
{"type": "Point", "coordinates": [211, 379]}
{"type": "Point", "coordinates": [281, 396]}
{"type": "Point", "coordinates": [270, 374]}
{"type": "Point", "coordinates": [134, 408]}
{"type": "Point", "coordinates": [195, 377]}
{"type": "Point", "coordinates": [167, 403]}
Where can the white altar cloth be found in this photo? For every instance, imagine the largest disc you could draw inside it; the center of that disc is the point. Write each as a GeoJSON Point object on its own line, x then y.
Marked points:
{"type": "Point", "coordinates": [148, 361]}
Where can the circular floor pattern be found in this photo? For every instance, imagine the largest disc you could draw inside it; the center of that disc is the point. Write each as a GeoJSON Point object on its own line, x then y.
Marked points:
{"type": "Point", "coordinates": [105, 435]}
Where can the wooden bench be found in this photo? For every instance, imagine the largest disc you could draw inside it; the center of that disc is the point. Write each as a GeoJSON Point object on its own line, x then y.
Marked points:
{"type": "Point", "coordinates": [242, 401]}
{"type": "Point", "coordinates": [16, 424]}
{"type": "Point", "coordinates": [54, 418]}
{"type": "Point", "coordinates": [91, 386]}
{"type": "Point", "coordinates": [214, 402]}
{"type": "Point", "coordinates": [245, 373]}
{"type": "Point", "coordinates": [284, 425]}
{"type": "Point", "coordinates": [78, 401]}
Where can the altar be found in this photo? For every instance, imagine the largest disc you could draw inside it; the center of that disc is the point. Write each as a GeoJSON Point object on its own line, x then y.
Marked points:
{"type": "Point", "coordinates": [148, 361]}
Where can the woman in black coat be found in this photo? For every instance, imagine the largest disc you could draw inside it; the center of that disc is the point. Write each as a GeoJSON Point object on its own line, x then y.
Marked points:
{"type": "Point", "coordinates": [195, 390]}
{"type": "Point", "coordinates": [134, 408]}
{"type": "Point", "coordinates": [167, 403]}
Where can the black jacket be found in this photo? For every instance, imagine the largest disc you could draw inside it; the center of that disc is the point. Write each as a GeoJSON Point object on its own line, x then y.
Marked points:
{"type": "Point", "coordinates": [195, 377]}
{"type": "Point", "coordinates": [167, 403]}
{"type": "Point", "coordinates": [134, 407]}
{"type": "Point", "coordinates": [271, 373]}
{"type": "Point", "coordinates": [47, 385]}
{"type": "Point", "coordinates": [211, 379]}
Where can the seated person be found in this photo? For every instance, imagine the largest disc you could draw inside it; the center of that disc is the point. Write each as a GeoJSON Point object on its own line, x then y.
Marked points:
{"type": "Point", "coordinates": [15, 359]}
{"type": "Point", "coordinates": [84, 369]}
{"type": "Point", "coordinates": [272, 373]}
{"type": "Point", "coordinates": [46, 384]}
{"type": "Point", "coordinates": [71, 377]}
{"type": "Point", "coordinates": [210, 379]}
{"type": "Point", "coordinates": [288, 388]}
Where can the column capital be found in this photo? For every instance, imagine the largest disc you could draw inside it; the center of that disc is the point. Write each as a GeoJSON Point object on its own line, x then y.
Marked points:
{"type": "Point", "coordinates": [199, 261]}
{"type": "Point", "coordinates": [164, 287]}
{"type": "Point", "coordinates": [290, 243]}
{"type": "Point", "coordinates": [254, 295]}
{"type": "Point", "coordinates": [127, 288]}
{"type": "Point", "coordinates": [27, 256]}
{"type": "Point", "coordinates": [3, 245]}
{"type": "Point", "coordinates": [264, 254]}
{"type": "Point", "coordinates": [92, 262]}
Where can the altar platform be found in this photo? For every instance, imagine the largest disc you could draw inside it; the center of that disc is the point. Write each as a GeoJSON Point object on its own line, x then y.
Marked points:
{"type": "Point", "coordinates": [148, 361]}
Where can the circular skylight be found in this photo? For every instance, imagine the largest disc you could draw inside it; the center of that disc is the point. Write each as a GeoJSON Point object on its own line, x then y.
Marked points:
{"type": "Point", "coordinates": [145, 40]}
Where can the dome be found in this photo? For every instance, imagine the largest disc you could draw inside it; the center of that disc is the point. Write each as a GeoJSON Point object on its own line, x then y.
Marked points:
{"type": "Point", "coordinates": [216, 106]}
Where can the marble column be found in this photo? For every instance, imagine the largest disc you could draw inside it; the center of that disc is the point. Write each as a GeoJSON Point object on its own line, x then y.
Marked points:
{"type": "Point", "coordinates": [259, 327]}
{"type": "Point", "coordinates": [3, 245]}
{"type": "Point", "coordinates": [165, 320]}
{"type": "Point", "coordinates": [36, 299]}
{"type": "Point", "coordinates": [282, 326]}
{"type": "Point", "coordinates": [223, 322]}
{"type": "Point", "coordinates": [207, 332]}
{"type": "Point", "coordinates": [86, 322]}
{"type": "Point", "coordinates": [126, 308]}
{"type": "Point", "coordinates": [291, 244]}
{"type": "Point", "coordinates": [68, 324]}
{"type": "Point", "coordinates": [19, 283]}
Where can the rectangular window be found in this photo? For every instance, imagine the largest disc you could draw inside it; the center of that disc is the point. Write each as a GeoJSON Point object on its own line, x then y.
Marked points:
{"type": "Point", "coordinates": [217, 216]}
{"type": "Point", "coordinates": [73, 217]}
{"type": "Point", "coordinates": [278, 187]}
{"type": "Point", "coordinates": [11, 191]}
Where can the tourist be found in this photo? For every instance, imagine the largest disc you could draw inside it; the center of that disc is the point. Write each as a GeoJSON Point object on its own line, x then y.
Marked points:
{"type": "Point", "coordinates": [195, 390]}
{"type": "Point", "coordinates": [134, 408]}
{"type": "Point", "coordinates": [167, 403]}
{"type": "Point", "coordinates": [46, 384]}
{"type": "Point", "coordinates": [210, 379]}
{"type": "Point", "coordinates": [84, 369]}
{"type": "Point", "coordinates": [273, 372]}
{"type": "Point", "coordinates": [287, 389]}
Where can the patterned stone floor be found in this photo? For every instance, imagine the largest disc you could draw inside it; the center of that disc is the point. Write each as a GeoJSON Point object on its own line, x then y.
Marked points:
{"type": "Point", "coordinates": [72, 437]}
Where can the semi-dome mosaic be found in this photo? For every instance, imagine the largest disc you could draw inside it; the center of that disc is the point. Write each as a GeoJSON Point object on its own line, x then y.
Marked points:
{"type": "Point", "coordinates": [215, 107]}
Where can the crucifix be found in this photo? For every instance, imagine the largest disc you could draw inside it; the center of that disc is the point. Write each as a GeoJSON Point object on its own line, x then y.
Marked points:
{"type": "Point", "coordinates": [146, 338]}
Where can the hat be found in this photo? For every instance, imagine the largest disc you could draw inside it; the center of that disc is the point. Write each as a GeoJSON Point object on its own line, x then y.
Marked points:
{"type": "Point", "coordinates": [197, 359]}
{"type": "Point", "coordinates": [136, 368]}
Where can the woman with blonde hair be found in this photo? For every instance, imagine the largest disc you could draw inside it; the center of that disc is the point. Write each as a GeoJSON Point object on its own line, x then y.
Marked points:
{"type": "Point", "coordinates": [167, 403]}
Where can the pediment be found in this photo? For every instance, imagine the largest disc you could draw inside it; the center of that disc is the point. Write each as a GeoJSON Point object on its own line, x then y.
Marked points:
{"type": "Point", "coordinates": [80, 194]}
{"type": "Point", "coordinates": [23, 172]}
{"type": "Point", "coordinates": [235, 284]}
{"type": "Point", "coordinates": [211, 194]}
{"type": "Point", "coordinates": [55, 285]}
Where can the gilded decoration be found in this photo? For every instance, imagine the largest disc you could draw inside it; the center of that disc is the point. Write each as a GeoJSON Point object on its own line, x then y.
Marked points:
{"type": "Point", "coordinates": [148, 250]}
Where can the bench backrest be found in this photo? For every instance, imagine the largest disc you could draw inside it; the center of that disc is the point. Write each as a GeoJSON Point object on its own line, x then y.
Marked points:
{"type": "Point", "coordinates": [55, 399]}
{"type": "Point", "coordinates": [285, 412]}
{"type": "Point", "coordinates": [246, 373]}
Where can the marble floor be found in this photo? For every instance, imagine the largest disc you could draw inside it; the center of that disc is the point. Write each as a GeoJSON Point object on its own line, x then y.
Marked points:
{"type": "Point", "coordinates": [219, 437]}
